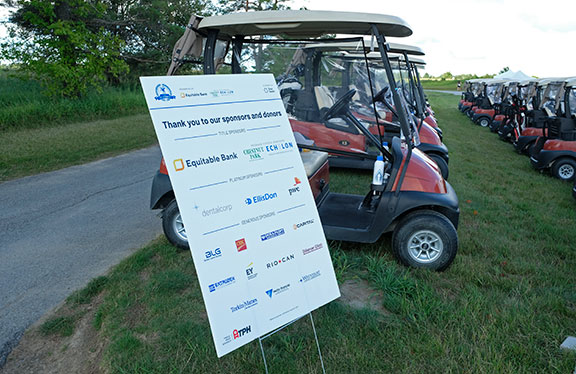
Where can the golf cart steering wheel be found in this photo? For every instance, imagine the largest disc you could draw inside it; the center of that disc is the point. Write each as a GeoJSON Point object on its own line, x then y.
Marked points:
{"type": "Point", "coordinates": [340, 106]}
{"type": "Point", "coordinates": [381, 97]}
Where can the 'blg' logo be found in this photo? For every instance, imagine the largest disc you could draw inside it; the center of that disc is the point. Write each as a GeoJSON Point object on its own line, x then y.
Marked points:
{"type": "Point", "coordinates": [164, 93]}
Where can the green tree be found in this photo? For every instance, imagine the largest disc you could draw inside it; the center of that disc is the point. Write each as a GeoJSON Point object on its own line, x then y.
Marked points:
{"type": "Point", "coordinates": [446, 76]}
{"type": "Point", "coordinates": [72, 45]}
{"type": "Point", "coordinates": [53, 41]}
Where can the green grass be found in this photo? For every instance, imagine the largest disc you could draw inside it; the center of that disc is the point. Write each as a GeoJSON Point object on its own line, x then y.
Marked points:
{"type": "Point", "coordinates": [447, 85]}
{"type": "Point", "coordinates": [31, 151]}
{"type": "Point", "coordinates": [504, 306]}
{"type": "Point", "coordinates": [62, 326]}
{"type": "Point", "coordinates": [24, 106]}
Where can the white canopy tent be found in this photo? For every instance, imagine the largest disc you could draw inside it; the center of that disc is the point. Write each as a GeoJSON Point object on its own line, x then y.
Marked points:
{"type": "Point", "coordinates": [514, 75]}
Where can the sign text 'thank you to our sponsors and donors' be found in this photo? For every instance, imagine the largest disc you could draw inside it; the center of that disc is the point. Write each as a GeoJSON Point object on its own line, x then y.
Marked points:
{"type": "Point", "coordinates": [251, 221]}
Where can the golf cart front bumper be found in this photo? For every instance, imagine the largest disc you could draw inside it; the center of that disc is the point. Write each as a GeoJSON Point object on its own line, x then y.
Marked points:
{"type": "Point", "coordinates": [162, 192]}
{"type": "Point", "coordinates": [523, 142]}
{"type": "Point", "coordinates": [544, 159]}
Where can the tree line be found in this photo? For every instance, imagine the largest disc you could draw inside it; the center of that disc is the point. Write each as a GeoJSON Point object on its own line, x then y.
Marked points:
{"type": "Point", "coordinates": [72, 46]}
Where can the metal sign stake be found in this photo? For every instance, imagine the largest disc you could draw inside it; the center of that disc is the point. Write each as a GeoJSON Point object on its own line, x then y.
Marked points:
{"type": "Point", "coordinates": [260, 339]}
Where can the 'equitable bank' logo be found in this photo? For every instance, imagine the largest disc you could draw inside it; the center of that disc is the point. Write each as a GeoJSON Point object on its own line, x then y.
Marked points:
{"type": "Point", "coordinates": [164, 93]}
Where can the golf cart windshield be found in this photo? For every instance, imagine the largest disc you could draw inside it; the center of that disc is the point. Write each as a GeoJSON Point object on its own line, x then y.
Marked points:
{"type": "Point", "coordinates": [493, 93]}
{"type": "Point", "coordinates": [512, 91]}
{"type": "Point", "coordinates": [572, 101]}
{"type": "Point", "coordinates": [550, 96]}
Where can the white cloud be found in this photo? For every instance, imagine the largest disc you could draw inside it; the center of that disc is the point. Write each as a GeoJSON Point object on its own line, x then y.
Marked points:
{"type": "Point", "coordinates": [480, 36]}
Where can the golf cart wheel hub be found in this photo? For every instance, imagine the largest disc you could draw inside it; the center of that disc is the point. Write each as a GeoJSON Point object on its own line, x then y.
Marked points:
{"type": "Point", "coordinates": [425, 246]}
{"type": "Point", "coordinates": [178, 226]}
{"type": "Point", "coordinates": [566, 171]}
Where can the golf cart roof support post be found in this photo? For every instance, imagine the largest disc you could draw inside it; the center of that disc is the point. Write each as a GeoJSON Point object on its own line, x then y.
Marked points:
{"type": "Point", "coordinates": [420, 89]}
{"type": "Point", "coordinates": [416, 98]}
{"type": "Point", "coordinates": [236, 54]}
{"type": "Point", "coordinates": [401, 113]}
{"type": "Point", "coordinates": [406, 61]}
{"type": "Point", "coordinates": [346, 75]}
{"type": "Point", "coordinates": [380, 137]}
{"type": "Point", "coordinates": [209, 52]}
{"type": "Point", "coordinates": [369, 135]}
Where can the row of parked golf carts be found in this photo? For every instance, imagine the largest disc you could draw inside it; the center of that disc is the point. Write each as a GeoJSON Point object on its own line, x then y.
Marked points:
{"type": "Point", "coordinates": [351, 100]}
{"type": "Point", "coordinates": [538, 116]}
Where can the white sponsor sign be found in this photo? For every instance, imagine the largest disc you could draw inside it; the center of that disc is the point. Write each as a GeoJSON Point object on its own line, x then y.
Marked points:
{"type": "Point", "coordinates": [252, 224]}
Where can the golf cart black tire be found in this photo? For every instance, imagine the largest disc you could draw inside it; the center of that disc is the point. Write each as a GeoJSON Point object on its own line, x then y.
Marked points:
{"type": "Point", "coordinates": [480, 120]}
{"type": "Point", "coordinates": [170, 215]}
{"type": "Point", "coordinates": [428, 220]}
{"type": "Point", "coordinates": [558, 164]}
{"type": "Point", "coordinates": [442, 164]}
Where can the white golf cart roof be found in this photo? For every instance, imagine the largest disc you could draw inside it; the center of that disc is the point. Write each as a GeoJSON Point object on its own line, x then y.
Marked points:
{"type": "Point", "coordinates": [526, 82]}
{"type": "Point", "coordinates": [496, 81]}
{"type": "Point", "coordinates": [307, 23]}
{"type": "Point", "coordinates": [414, 60]}
{"type": "Point", "coordinates": [368, 45]}
{"type": "Point", "coordinates": [392, 57]}
{"type": "Point", "coordinates": [409, 49]}
{"type": "Point", "coordinates": [547, 81]}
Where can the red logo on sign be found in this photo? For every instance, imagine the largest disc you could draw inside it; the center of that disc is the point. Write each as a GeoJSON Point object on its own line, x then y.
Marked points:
{"type": "Point", "coordinates": [296, 181]}
{"type": "Point", "coordinates": [235, 334]}
{"type": "Point", "coordinates": [241, 244]}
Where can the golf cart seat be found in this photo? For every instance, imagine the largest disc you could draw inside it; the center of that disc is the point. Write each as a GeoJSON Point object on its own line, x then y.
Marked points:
{"type": "Point", "coordinates": [313, 160]}
{"type": "Point", "coordinates": [323, 97]}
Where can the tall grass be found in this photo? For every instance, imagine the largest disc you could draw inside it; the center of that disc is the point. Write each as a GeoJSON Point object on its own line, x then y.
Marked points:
{"type": "Point", "coordinates": [23, 104]}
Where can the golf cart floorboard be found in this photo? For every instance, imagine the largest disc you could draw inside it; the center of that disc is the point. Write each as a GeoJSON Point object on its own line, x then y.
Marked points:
{"type": "Point", "coordinates": [345, 211]}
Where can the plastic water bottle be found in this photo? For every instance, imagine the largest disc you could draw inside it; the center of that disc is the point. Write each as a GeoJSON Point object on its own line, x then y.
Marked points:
{"type": "Point", "coordinates": [385, 145]}
{"type": "Point", "coordinates": [378, 175]}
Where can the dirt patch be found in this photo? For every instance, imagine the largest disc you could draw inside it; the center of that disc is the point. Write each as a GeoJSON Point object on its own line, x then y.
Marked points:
{"type": "Point", "coordinates": [82, 352]}
{"type": "Point", "coordinates": [79, 353]}
{"type": "Point", "coordinates": [358, 294]}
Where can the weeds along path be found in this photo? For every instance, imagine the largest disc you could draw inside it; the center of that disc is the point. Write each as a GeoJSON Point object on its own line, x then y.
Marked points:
{"type": "Point", "coordinates": [59, 230]}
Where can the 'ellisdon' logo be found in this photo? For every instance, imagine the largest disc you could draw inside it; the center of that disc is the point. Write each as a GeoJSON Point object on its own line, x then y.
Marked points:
{"type": "Point", "coordinates": [260, 198]}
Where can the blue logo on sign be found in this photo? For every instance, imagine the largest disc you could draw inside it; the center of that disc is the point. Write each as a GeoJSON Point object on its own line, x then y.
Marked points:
{"type": "Point", "coordinates": [269, 293]}
{"type": "Point", "coordinates": [260, 198]}
{"type": "Point", "coordinates": [223, 283]}
{"type": "Point", "coordinates": [164, 93]}
{"type": "Point", "coordinates": [272, 234]}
